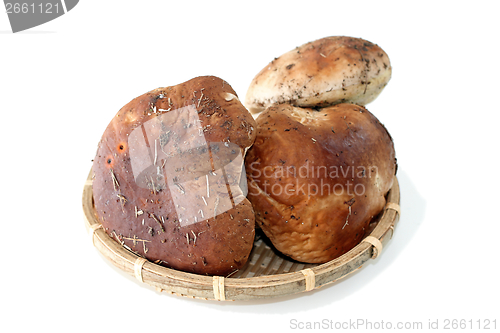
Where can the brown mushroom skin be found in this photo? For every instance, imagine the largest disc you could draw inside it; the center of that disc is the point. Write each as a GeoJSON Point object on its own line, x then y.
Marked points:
{"type": "Point", "coordinates": [318, 177]}
{"type": "Point", "coordinates": [144, 217]}
{"type": "Point", "coordinates": [324, 72]}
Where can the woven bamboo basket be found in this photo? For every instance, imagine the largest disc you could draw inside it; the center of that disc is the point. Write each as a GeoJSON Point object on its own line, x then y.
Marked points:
{"type": "Point", "coordinates": [267, 272]}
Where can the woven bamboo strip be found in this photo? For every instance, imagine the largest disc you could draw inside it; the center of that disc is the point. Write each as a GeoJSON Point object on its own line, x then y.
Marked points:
{"type": "Point", "coordinates": [280, 277]}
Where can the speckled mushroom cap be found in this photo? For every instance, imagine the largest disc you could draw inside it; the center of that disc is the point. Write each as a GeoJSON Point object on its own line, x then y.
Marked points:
{"type": "Point", "coordinates": [168, 177]}
{"type": "Point", "coordinates": [317, 177]}
{"type": "Point", "coordinates": [324, 72]}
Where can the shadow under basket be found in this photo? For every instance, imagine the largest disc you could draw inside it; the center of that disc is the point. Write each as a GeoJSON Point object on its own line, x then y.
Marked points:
{"type": "Point", "coordinates": [267, 273]}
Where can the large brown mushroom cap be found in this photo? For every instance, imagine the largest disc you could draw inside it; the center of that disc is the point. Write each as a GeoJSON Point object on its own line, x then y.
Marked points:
{"type": "Point", "coordinates": [168, 177]}
{"type": "Point", "coordinates": [317, 177]}
{"type": "Point", "coordinates": [320, 73]}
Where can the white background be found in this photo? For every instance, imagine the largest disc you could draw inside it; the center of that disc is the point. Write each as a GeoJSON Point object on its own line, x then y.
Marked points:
{"type": "Point", "coordinates": [62, 82]}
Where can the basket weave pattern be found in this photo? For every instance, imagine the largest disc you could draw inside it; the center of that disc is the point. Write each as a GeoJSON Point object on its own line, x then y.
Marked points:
{"type": "Point", "coordinates": [267, 272]}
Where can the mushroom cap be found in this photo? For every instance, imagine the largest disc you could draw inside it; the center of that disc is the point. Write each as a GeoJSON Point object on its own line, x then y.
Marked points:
{"type": "Point", "coordinates": [318, 177]}
{"type": "Point", "coordinates": [324, 72]}
{"type": "Point", "coordinates": [168, 177]}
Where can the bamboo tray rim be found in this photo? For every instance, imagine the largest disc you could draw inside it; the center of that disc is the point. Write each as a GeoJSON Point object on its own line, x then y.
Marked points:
{"type": "Point", "coordinates": [245, 288]}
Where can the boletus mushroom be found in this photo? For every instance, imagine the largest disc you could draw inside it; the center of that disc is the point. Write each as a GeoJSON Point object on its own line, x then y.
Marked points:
{"type": "Point", "coordinates": [324, 72]}
{"type": "Point", "coordinates": [169, 182]}
{"type": "Point", "coordinates": [317, 177]}
{"type": "Point", "coordinates": [322, 164]}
